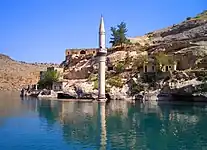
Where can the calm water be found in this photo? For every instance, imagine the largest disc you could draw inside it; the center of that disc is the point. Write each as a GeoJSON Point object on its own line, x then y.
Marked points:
{"type": "Point", "coordinates": [30, 124]}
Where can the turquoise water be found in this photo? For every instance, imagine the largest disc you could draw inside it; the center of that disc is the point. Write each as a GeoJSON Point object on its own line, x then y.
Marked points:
{"type": "Point", "coordinates": [32, 124]}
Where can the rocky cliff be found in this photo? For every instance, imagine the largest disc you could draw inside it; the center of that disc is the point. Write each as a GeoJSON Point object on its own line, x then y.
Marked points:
{"type": "Point", "coordinates": [14, 74]}
{"type": "Point", "coordinates": [186, 41]}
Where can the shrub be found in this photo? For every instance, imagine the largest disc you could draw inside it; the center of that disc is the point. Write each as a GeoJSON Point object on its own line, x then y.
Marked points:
{"type": "Point", "coordinates": [203, 87]}
{"type": "Point", "coordinates": [136, 88]}
{"type": "Point", "coordinates": [202, 15]}
{"type": "Point", "coordinates": [163, 59]}
{"type": "Point", "coordinates": [115, 81]}
{"type": "Point", "coordinates": [188, 18]}
{"type": "Point", "coordinates": [138, 62]}
{"type": "Point", "coordinates": [93, 77]}
{"type": "Point", "coordinates": [149, 77]}
{"type": "Point", "coordinates": [95, 84]}
{"type": "Point", "coordinates": [120, 67]}
{"type": "Point", "coordinates": [137, 44]}
{"type": "Point", "coordinates": [201, 75]}
{"type": "Point", "coordinates": [107, 89]}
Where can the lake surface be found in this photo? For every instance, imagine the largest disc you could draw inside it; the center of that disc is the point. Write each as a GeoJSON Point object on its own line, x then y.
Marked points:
{"type": "Point", "coordinates": [31, 124]}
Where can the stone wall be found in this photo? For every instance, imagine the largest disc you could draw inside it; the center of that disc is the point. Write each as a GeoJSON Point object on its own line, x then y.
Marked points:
{"type": "Point", "coordinates": [79, 52]}
{"type": "Point", "coordinates": [186, 61]}
{"type": "Point", "coordinates": [83, 73]}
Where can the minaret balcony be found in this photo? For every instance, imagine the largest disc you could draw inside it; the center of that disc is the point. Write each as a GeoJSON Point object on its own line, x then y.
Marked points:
{"type": "Point", "coordinates": [102, 52]}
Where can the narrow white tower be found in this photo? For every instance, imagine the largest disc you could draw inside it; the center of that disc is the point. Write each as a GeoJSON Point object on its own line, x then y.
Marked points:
{"type": "Point", "coordinates": [102, 61]}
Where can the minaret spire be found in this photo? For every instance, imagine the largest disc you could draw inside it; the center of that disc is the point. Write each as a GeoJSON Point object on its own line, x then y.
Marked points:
{"type": "Point", "coordinates": [101, 27]}
{"type": "Point", "coordinates": [102, 38]}
{"type": "Point", "coordinates": [102, 61]}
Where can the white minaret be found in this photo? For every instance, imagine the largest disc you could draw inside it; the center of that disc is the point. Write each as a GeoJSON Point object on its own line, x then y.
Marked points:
{"type": "Point", "coordinates": [102, 61]}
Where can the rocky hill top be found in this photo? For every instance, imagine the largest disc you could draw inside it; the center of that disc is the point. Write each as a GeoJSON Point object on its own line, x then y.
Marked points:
{"type": "Point", "coordinates": [190, 29]}
{"type": "Point", "coordinates": [14, 74]}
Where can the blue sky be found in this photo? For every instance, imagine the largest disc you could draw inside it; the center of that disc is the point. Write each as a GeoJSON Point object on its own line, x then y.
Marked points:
{"type": "Point", "coordinates": [41, 30]}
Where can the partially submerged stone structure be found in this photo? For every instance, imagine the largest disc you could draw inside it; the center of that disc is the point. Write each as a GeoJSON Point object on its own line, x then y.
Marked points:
{"type": "Point", "coordinates": [59, 70]}
{"type": "Point", "coordinates": [59, 85]}
{"type": "Point", "coordinates": [151, 66]}
{"type": "Point", "coordinates": [81, 52]}
{"type": "Point", "coordinates": [76, 53]}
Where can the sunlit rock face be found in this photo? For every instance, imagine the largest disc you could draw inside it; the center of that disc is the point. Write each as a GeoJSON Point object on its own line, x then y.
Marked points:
{"type": "Point", "coordinates": [15, 74]}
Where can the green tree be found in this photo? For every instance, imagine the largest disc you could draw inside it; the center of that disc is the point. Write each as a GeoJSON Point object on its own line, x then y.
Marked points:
{"type": "Point", "coordinates": [119, 35]}
{"type": "Point", "coordinates": [138, 62]}
{"type": "Point", "coordinates": [114, 39]}
{"type": "Point", "coordinates": [49, 77]}
{"type": "Point", "coordinates": [163, 59]}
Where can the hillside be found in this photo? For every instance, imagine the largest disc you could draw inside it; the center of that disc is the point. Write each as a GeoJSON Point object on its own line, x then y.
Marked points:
{"type": "Point", "coordinates": [187, 39]}
{"type": "Point", "coordinates": [190, 29]}
{"type": "Point", "coordinates": [14, 75]}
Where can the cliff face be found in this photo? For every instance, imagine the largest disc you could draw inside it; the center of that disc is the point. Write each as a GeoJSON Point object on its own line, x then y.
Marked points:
{"type": "Point", "coordinates": [179, 36]}
{"type": "Point", "coordinates": [14, 75]}
{"type": "Point", "coordinates": [186, 40]}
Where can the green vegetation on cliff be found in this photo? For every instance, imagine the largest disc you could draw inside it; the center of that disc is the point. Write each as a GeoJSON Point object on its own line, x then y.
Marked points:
{"type": "Point", "coordinates": [115, 81]}
{"type": "Point", "coordinates": [200, 16]}
{"type": "Point", "coordinates": [49, 77]}
{"type": "Point", "coordinates": [120, 67]}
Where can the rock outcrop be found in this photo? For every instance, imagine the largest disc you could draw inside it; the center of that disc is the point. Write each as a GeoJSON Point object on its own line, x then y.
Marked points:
{"type": "Point", "coordinates": [186, 40]}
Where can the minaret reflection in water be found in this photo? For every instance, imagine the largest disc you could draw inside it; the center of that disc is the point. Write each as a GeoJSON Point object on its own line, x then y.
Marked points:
{"type": "Point", "coordinates": [103, 137]}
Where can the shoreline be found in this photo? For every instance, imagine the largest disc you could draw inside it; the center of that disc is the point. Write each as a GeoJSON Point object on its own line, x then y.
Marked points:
{"type": "Point", "coordinates": [154, 103]}
{"type": "Point", "coordinates": [153, 97]}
